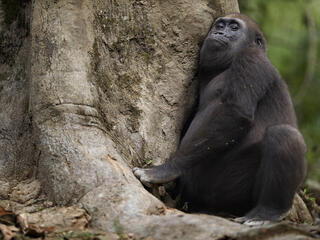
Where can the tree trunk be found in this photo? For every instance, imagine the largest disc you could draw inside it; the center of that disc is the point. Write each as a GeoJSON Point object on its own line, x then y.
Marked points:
{"type": "Point", "coordinates": [90, 88]}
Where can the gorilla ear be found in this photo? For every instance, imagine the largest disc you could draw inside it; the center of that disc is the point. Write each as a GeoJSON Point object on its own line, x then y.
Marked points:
{"type": "Point", "coordinates": [259, 41]}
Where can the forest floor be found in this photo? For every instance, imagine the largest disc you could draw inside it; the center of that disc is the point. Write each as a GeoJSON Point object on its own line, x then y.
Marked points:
{"type": "Point", "coordinates": [70, 223]}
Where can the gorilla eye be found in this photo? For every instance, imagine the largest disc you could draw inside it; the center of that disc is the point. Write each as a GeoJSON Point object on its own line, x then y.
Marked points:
{"type": "Point", "coordinates": [259, 42]}
{"type": "Point", "coordinates": [234, 26]}
{"type": "Point", "coordinates": [219, 25]}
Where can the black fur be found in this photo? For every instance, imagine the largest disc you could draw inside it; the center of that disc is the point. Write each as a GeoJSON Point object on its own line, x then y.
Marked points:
{"type": "Point", "coordinates": [242, 152]}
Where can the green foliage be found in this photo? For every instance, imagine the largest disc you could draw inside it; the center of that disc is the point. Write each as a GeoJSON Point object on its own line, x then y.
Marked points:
{"type": "Point", "coordinates": [286, 25]}
{"type": "Point", "coordinates": [119, 230]}
{"type": "Point", "coordinates": [308, 195]}
{"type": "Point", "coordinates": [78, 235]}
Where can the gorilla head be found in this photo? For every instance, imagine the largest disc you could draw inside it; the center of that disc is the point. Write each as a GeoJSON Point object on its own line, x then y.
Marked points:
{"type": "Point", "coordinates": [227, 38]}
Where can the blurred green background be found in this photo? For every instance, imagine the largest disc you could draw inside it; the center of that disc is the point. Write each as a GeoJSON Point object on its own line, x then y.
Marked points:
{"type": "Point", "coordinates": [292, 30]}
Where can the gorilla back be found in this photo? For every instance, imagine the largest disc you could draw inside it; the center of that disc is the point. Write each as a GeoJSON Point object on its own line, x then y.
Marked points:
{"type": "Point", "coordinates": [242, 152]}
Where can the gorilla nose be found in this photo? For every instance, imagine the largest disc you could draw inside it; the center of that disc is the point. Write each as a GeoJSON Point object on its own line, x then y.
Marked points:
{"type": "Point", "coordinates": [218, 33]}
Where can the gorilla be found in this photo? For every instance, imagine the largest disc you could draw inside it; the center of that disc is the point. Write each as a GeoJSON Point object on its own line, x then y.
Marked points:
{"type": "Point", "coordinates": [242, 152]}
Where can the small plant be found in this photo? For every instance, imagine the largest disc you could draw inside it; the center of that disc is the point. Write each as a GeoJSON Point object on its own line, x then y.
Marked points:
{"type": "Point", "coordinates": [78, 235]}
{"type": "Point", "coordinates": [119, 230]}
{"type": "Point", "coordinates": [308, 194]}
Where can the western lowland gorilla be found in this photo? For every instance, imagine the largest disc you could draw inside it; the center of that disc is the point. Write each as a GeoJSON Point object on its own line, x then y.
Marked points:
{"type": "Point", "coordinates": [242, 152]}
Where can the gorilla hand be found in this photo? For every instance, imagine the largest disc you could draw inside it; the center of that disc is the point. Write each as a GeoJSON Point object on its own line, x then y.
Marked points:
{"type": "Point", "coordinates": [159, 174]}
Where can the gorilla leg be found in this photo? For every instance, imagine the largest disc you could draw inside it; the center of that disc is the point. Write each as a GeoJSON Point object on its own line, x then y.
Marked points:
{"type": "Point", "coordinates": [281, 170]}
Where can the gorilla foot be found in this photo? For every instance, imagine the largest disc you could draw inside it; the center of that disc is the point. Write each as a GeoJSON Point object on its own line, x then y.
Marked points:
{"type": "Point", "coordinates": [158, 174]}
{"type": "Point", "coordinates": [261, 216]}
{"type": "Point", "coordinates": [252, 221]}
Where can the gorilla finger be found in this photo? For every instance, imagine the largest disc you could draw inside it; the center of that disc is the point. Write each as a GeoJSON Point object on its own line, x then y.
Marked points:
{"type": "Point", "coordinates": [138, 172]}
{"type": "Point", "coordinates": [146, 183]}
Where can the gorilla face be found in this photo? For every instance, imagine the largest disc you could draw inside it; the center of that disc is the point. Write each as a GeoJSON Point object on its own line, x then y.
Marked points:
{"type": "Point", "coordinates": [228, 33]}
{"type": "Point", "coordinates": [227, 37]}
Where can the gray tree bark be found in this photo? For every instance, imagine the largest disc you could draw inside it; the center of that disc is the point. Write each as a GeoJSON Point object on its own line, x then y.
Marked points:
{"type": "Point", "coordinates": [90, 88]}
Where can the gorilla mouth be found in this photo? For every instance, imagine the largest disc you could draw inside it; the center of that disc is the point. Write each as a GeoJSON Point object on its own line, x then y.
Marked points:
{"type": "Point", "coordinates": [222, 41]}
{"type": "Point", "coordinates": [219, 39]}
